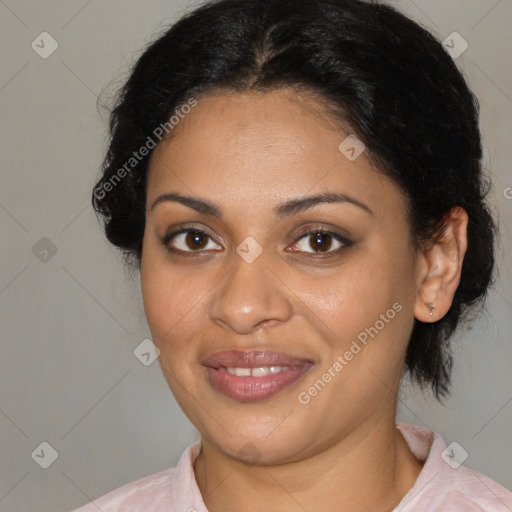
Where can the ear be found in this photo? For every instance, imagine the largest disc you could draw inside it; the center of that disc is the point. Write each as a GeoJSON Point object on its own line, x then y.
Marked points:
{"type": "Point", "coordinates": [440, 267]}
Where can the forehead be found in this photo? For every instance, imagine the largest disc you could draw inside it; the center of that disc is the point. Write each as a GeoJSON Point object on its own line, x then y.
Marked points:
{"type": "Point", "coordinates": [254, 148]}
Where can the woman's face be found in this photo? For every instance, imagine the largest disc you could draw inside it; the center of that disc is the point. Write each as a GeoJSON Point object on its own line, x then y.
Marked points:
{"type": "Point", "coordinates": [282, 321]}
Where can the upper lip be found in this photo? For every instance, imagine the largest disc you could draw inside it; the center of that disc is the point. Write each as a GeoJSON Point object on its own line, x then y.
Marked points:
{"type": "Point", "coordinates": [252, 359]}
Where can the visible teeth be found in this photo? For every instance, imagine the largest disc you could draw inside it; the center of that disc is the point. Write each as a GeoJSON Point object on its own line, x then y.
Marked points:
{"type": "Point", "coordinates": [260, 371]}
{"type": "Point", "coordinates": [239, 372]}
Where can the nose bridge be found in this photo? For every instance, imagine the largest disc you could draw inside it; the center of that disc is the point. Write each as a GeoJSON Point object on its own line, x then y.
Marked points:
{"type": "Point", "coordinates": [249, 296]}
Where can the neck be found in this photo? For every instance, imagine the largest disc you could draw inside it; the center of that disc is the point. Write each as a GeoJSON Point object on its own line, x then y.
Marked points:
{"type": "Point", "coordinates": [370, 469]}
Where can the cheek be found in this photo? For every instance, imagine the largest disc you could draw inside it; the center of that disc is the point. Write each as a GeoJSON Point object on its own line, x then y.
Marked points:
{"type": "Point", "coordinates": [362, 310]}
{"type": "Point", "coordinates": [349, 299]}
{"type": "Point", "coordinates": [173, 300]}
{"type": "Point", "coordinates": [175, 315]}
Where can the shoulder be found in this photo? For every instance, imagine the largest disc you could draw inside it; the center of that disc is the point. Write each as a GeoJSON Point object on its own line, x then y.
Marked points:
{"type": "Point", "coordinates": [483, 491]}
{"type": "Point", "coordinates": [444, 483]}
{"type": "Point", "coordinates": [463, 490]}
{"type": "Point", "coordinates": [152, 493]}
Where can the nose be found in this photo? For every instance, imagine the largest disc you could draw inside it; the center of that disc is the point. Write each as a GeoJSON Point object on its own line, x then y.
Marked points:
{"type": "Point", "coordinates": [250, 297]}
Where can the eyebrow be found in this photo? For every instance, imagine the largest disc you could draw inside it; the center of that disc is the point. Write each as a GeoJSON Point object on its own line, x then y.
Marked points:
{"type": "Point", "coordinates": [285, 209]}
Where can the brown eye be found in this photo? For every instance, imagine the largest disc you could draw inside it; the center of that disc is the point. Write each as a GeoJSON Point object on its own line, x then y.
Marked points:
{"type": "Point", "coordinates": [196, 240]}
{"type": "Point", "coordinates": [189, 241]}
{"type": "Point", "coordinates": [320, 241]}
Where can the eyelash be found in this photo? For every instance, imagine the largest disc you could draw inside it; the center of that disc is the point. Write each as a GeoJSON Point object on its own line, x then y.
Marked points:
{"type": "Point", "coordinates": [341, 239]}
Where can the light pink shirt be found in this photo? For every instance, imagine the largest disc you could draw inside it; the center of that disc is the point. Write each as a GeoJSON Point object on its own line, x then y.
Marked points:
{"type": "Point", "coordinates": [440, 486]}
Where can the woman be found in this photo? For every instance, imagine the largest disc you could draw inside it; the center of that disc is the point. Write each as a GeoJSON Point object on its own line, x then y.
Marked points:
{"type": "Point", "coordinates": [299, 183]}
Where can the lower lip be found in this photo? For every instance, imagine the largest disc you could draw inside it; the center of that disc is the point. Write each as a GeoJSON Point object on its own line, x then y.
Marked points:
{"type": "Point", "coordinates": [250, 389]}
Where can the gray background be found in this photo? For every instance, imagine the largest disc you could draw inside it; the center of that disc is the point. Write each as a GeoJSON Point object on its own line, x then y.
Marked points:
{"type": "Point", "coordinates": [70, 324]}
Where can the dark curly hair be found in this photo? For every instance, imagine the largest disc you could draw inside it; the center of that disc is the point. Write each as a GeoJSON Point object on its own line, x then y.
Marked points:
{"type": "Point", "coordinates": [384, 75]}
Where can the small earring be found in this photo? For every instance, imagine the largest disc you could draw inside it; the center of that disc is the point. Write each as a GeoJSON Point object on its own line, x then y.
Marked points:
{"type": "Point", "coordinates": [431, 307]}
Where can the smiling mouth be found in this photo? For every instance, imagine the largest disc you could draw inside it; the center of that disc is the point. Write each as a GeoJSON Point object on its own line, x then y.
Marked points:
{"type": "Point", "coordinates": [259, 371]}
{"type": "Point", "coordinates": [254, 375]}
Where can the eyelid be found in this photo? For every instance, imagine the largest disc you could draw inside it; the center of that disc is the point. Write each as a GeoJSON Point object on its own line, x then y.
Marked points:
{"type": "Point", "coordinates": [184, 228]}
{"type": "Point", "coordinates": [325, 229]}
{"type": "Point", "coordinates": [180, 228]}
{"type": "Point", "coordinates": [342, 239]}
